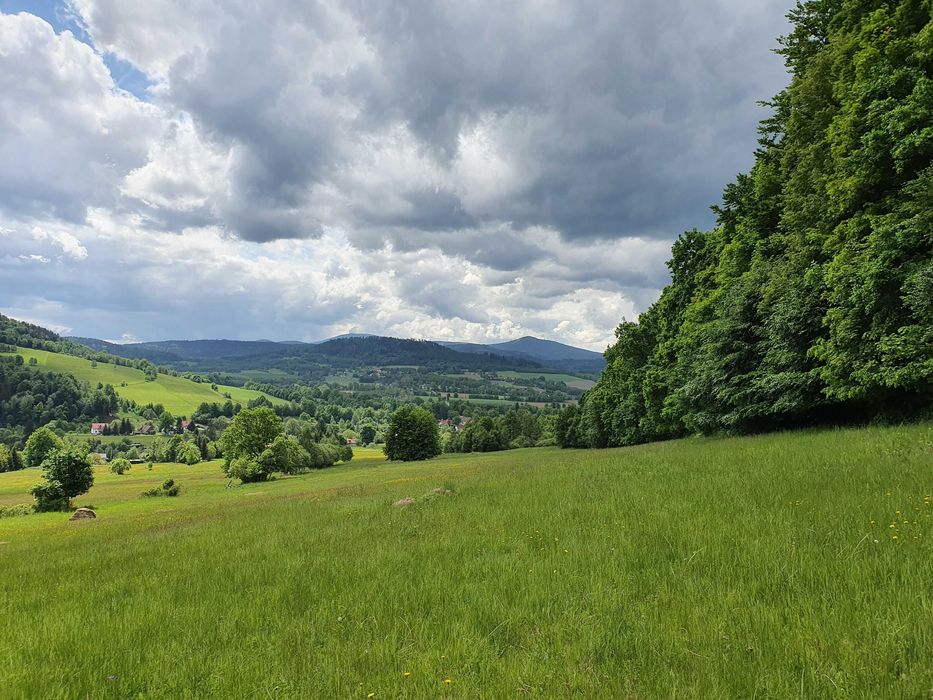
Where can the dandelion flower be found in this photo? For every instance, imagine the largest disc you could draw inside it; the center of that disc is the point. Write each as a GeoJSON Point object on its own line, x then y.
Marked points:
{"type": "Point", "coordinates": [407, 674]}
{"type": "Point", "coordinates": [447, 681]}
{"type": "Point", "coordinates": [370, 695]}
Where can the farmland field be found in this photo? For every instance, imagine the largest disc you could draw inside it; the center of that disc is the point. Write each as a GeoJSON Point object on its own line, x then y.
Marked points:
{"type": "Point", "coordinates": [567, 379]}
{"type": "Point", "coordinates": [789, 565]}
{"type": "Point", "coordinates": [145, 440]}
{"type": "Point", "coordinates": [179, 396]}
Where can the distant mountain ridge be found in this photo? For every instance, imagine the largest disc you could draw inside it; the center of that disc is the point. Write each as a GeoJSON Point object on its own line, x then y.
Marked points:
{"type": "Point", "coordinates": [549, 353]}
{"type": "Point", "coordinates": [364, 346]}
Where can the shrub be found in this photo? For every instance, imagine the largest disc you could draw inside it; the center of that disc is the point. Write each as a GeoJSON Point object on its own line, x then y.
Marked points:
{"type": "Point", "coordinates": [13, 511]}
{"type": "Point", "coordinates": [284, 455]}
{"type": "Point", "coordinates": [120, 465]}
{"type": "Point", "coordinates": [188, 453]}
{"type": "Point", "coordinates": [50, 497]}
{"type": "Point", "coordinates": [10, 460]}
{"type": "Point", "coordinates": [169, 488]}
{"type": "Point", "coordinates": [246, 470]}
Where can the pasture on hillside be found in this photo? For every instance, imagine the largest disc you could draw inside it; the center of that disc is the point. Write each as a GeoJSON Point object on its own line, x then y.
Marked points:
{"type": "Point", "coordinates": [787, 565]}
{"type": "Point", "coordinates": [180, 396]}
{"type": "Point", "coordinates": [568, 379]}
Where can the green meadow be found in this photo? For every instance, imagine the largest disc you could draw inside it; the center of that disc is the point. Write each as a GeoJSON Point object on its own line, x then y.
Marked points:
{"type": "Point", "coordinates": [788, 565]}
{"type": "Point", "coordinates": [180, 396]}
{"type": "Point", "coordinates": [568, 379]}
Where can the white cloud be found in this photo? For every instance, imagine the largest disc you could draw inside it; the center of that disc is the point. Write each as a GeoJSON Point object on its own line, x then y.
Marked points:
{"type": "Point", "coordinates": [67, 135]}
{"type": "Point", "coordinates": [451, 170]}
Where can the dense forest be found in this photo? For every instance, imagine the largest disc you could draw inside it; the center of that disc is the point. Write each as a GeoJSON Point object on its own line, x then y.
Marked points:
{"type": "Point", "coordinates": [811, 301]}
{"type": "Point", "coordinates": [29, 399]}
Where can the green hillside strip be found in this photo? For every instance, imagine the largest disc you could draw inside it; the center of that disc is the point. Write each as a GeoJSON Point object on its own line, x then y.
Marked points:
{"type": "Point", "coordinates": [568, 379]}
{"type": "Point", "coordinates": [745, 567]}
{"type": "Point", "coordinates": [179, 396]}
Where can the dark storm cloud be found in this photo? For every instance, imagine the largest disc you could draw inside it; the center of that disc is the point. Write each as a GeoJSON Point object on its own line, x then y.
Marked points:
{"type": "Point", "coordinates": [625, 118]}
{"type": "Point", "coordinates": [640, 112]}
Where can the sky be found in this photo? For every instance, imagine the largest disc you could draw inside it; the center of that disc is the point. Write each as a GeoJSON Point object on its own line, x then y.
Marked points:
{"type": "Point", "coordinates": [296, 169]}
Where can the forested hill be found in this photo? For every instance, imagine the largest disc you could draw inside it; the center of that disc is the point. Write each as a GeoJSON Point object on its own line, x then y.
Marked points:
{"type": "Point", "coordinates": [306, 360]}
{"type": "Point", "coordinates": [812, 299]}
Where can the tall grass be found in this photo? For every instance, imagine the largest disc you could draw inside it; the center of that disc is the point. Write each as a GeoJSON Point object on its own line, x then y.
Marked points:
{"type": "Point", "coordinates": [752, 567]}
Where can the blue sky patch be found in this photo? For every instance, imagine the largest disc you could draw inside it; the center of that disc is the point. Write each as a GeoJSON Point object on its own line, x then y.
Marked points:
{"type": "Point", "coordinates": [125, 75]}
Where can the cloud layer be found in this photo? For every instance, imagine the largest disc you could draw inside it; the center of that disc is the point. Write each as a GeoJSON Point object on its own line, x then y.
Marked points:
{"type": "Point", "coordinates": [471, 171]}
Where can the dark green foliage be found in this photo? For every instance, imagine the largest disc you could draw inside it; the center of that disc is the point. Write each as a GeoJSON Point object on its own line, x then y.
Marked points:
{"type": "Point", "coordinates": [412, 435]}
{"type": "Point", "coordinates": [31, 398]}
{"type": "Point", "coordinates": [517, 427]}
{"type": "Point", "coordinates": [284, 454]}
{"type": "Point", "coordinates": [10, 459]}
{"type": "Point", "coordinates": [67, 474]}
{"type": "Point", "coordinates": [367, 434]}
{"type": "Point", "coordinates": [169, 488]}
{"type": "Point", "coordinates": [246, 469]}
{"type": "Point", "coordinates": [812, 300]}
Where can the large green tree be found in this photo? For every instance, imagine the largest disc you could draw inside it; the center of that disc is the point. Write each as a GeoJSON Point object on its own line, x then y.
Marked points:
{"type": "Point", "coordinates": [245, 439]}
{"type": "Point", "coordinates": [39, 445]}
{"type": "Point", "coordinates": [68, 473]}
{"type": "Point", "coordinates": [412, 435]}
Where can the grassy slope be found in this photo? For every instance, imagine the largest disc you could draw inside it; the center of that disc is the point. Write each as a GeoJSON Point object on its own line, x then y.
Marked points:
{"type": "Point", "coordinates": [179, 396]}
{"type": "Point", "coordinates": [752, 567]}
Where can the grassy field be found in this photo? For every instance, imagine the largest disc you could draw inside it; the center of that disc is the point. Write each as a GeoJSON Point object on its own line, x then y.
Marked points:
{"type": "Point", "coordinates": [179, 396]}
{"type": "Point", "coordinates": [144, 440]}
{"type": "Point", "coordinates": [567, 379]}
{"type": "Point", "coordinates": [789, 565]}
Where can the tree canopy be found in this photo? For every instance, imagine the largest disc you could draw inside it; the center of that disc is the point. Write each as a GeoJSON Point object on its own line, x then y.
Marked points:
{"type": "Point", "coordinates": [412, 435]}
{"type": "Point", "coordinates": [812, 299]}
{"type": "Point", "coordinates": [67, 473]}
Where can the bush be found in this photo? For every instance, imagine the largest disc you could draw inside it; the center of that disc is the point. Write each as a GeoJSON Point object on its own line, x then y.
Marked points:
{"type": "Point", "coordinates": [10, 460]}
{"type": "Point", "coordinates": [50, 497]}
{"type": "Point", "coordinates": [13, 511]}
{"type": "Point", "coordinates": [246, 469]}
{"type": "Point", "coordinates": [284, 455]}
{"type": "Point", "coordinates": [169, 488]}
{"type": "Point", "coordinates": [120, 466]}
{"type": "Point", "coordinates": [412, 435]}
{"type": "Point", "coordinates": [188, 453]}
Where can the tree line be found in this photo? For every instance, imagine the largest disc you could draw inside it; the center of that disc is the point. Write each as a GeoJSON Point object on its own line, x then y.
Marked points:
{"type": "Point", "coordinates": [811, 301]}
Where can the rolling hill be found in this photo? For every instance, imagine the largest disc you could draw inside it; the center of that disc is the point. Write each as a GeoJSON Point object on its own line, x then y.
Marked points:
{"type": "Point", "coordinates": [354, 349]}
{"type": "Point", "coordinates": [180, 396]}
{"type": "Point", "coordinates": [547, 353]}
